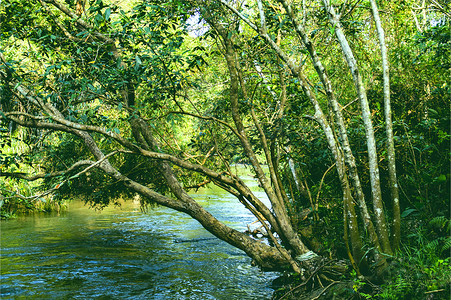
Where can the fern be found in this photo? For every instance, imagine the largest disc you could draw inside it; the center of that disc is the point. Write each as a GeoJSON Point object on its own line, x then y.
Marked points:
{"type": "Point", "coordinates": [441, 225]}
{"type": "Point", "coordinates": [432, 246]}
{"type": "Point", "coordinates": [447, 244]}
{"type": "Point", "coordinates": [440, 222]}
{"type": "Point", "coordinates": [397, 289]}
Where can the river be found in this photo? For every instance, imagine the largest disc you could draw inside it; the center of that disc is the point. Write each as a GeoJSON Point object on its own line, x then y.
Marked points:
{"type": "Point", "coordinates": [123, 253]}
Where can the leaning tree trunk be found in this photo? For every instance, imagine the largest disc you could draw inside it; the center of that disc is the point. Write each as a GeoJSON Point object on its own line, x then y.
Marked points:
{"type": "Point", "coordinates": [396, 224]}
{"type": "Point", "coordinates": [267, 257]}
{"type": "Point", "coordinates": [288, 234]}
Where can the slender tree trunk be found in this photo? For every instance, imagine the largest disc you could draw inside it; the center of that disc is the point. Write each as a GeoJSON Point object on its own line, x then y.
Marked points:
{"type": "Point", "coordinates": [352, 232]}
{"type": "Point", "coordinates": [288, 234]}
{"type": "Point", "coordinates": [381, 224]}
{"type": "Point", "coordinates": [319, 117]}
{"type": "Point", "coordinates": [393, 183]}
{"type": "Point", "coordinates": [339, 120]}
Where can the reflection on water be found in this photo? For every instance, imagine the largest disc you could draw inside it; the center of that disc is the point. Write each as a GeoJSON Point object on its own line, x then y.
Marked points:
{"type": "Point", "coordinates": [121, 253]}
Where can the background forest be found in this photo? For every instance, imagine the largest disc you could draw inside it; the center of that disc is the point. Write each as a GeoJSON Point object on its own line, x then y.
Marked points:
{"type": "Point", "coordinates": [340, 109]}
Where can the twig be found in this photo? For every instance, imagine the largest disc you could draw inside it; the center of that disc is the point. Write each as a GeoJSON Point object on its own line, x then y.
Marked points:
{"type": "Point", "coordinates": [199, 185]}
{"type": "Point", "coordinates": [209, 119]}
{"type": "Point", "coordinates": [63, 29]}
{"type": "Point", "coordinates": [324, 290]}
{"type": "Point", "coordinates": [435, 291]}
{"type": "Point", "coordinates": [308, 279]}
{"type": "Point", "coordinates": [94, 164]}
{"type": "Point", "coordinates": [320, 185]}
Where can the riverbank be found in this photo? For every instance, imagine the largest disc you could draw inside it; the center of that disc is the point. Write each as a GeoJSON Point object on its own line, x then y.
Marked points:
{"type": "Point", "coordinates": [13, 207]}
{"type": "Point", "coordinates": [414, 273]}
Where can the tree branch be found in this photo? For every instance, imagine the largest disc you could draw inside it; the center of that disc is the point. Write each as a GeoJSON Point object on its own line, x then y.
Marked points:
{"type": "Point", "coordinates": [208, 118]}
{"type": "Point", "coordinates": [92, 164]}
{"type": "Point", "coordinates": [63, 29]}
{"type": "Point", "coordinates": [80, 22]}
{"type": "Point", "coordinates": [235, 11]}
{"type": "Point", "coordinates": [25, 176]}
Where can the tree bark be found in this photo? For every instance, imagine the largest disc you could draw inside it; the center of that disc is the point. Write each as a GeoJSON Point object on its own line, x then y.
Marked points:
{"type": "Point", "coordinates": [288, 234]}
{"type": "Point", "coordinates": [339, 120]}
{"type": "Point", "coordinates": [393, 183]}
{"type": "Point", "coordinates": [378, 207]}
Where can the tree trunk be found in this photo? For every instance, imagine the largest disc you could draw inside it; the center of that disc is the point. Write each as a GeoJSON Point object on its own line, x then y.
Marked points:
{"type": "Point", "coordinates": [393, 183]}
{"type": "Point", "coordinates": [287, 232]}
{"type": "Point", "coordinates": [339, 120]}
{"type": "Point", "coordinates": [370, 139]}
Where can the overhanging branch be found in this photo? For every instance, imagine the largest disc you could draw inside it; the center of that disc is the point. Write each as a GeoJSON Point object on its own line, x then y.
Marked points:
{"type": "Point", "coordinates": [25, 176]}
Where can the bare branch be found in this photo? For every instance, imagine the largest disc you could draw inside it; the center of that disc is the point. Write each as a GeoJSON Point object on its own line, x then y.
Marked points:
{"type": "Point", "coordinates": [19, 113]}
{"type": "Point", "coordinates": [38, 124]}
{"type": "Point", "coordinates": [440, 8]}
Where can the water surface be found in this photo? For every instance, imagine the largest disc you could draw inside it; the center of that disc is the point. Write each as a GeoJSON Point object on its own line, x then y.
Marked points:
{"type": "Point", "coordinates": [122, 253]}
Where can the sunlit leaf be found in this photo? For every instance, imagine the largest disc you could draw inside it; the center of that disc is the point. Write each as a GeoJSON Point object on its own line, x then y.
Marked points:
{"type": "Point", "coordinates": [107, 13]}
{"type": "Point", "coordinates": [138, 60]}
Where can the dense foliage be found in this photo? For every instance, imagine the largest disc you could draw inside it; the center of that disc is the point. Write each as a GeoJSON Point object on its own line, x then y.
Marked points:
{"type": "Point", "coordinates": [102, 101]}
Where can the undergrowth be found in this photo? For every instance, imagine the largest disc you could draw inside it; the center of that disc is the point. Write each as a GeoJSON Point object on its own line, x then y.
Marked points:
{"type": "Point", "coordinates": [421, 269]}
{"type": "Point", "coordinates": [16, 198]}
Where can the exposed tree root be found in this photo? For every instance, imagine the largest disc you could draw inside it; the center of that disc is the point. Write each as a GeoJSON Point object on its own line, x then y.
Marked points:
{"type": "Point", "coordinates": [320, 276]}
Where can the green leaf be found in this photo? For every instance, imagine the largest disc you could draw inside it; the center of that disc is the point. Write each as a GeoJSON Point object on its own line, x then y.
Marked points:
{"type": "Point", "coordinates": [441, 178]}
{"type": "Point", "coordinates": [116, 130]}
{"type": "Point", "coordinates": [408, 212]}
{"type": "Point", "coordinates": [107, 13]}
{"type": "Point", "coordinates": [138, 60]}
{"type": "Point", "coordinates": [332, 30]}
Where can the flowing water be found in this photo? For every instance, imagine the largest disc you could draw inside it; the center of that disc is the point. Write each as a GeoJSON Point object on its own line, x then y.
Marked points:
{"type": "Point", "coordinates": [122, 253]}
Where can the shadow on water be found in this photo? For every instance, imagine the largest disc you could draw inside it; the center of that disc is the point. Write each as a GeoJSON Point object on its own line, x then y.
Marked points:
{"type": "Point", "coordinates": [125, 254]}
